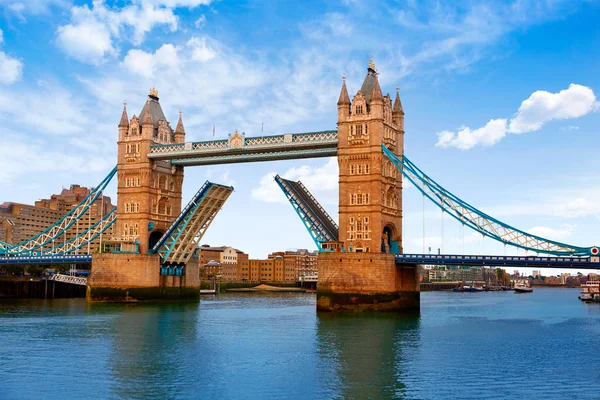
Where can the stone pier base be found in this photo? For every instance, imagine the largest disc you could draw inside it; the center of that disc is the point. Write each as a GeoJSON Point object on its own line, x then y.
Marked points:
{"type": "Point", "coordinates": [136, 277]}
{"type": "Point", "coordinates": [366, 282]}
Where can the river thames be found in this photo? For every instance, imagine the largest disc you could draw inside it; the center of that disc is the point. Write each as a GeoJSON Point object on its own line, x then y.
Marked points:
{"type": "Point", "coordinates": [243, 346]}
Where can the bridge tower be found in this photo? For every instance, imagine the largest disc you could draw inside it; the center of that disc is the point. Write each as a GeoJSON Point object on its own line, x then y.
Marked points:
{"type": "Point", "coordinates": [370, 208]}
{"type": "Point", "coordinates": [149, 192]}
{"type": "Point", "coordinates": [370, 202]}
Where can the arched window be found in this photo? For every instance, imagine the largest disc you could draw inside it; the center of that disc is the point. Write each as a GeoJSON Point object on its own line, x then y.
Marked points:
{"type": "Point", "coordinates": [162, 182]}
{"type": "Point", "coordinates": [126, 229]}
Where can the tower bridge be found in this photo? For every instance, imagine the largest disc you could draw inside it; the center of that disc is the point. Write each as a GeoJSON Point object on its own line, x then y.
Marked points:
{"type": "Point", "coordinates": [151, 253]}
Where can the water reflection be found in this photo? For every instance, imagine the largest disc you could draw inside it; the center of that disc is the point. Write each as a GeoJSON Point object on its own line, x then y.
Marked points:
{"type": "Point", "coordinates": [149, 344]}
{"type": "Point", "coordinates": [367, 351]}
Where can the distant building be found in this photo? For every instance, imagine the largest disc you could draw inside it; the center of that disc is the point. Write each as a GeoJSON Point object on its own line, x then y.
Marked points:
{"type": "Point", "coordinates": [455, 273]}
{"type": "Point", "coordinates": [19, 222]}
{"type": "Point", "coordinates": [235, 265]}
{"type": "Point", "coordinates": [537, 275]}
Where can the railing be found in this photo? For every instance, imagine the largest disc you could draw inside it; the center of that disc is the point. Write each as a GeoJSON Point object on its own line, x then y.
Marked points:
{"type": "Point", "coordinates": [75, 280]}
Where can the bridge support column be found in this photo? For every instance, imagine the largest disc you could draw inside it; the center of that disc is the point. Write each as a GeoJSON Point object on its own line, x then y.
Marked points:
{"type": "Point", "coordinates": [366, 282]}
{"type": "Point", "coordinates": [136, 277]}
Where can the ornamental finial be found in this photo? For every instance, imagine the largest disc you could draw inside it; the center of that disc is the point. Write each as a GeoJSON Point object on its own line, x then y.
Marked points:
{"type": "Point", "coordinates": [397, 89]}
{"type": "Point", "coordinates": [153, 92]}
{"type": "Point", "coordinates": [344, 77]}
{"type": "Point", "coordinates": [371, 63]}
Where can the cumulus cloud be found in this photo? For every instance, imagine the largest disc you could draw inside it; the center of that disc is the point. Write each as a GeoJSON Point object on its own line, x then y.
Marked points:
{"type": "Point", "coordinates": [467, 138]}
{"type": "Point", "coordinates": [88, 41]}
{"type": "Point", "coordinates": [90, 35]}
{"type": "Point", "coordinates": [11, 68]}
{"type": "Point", "coordinates": [540, 108]}
{"type": "Point", "coordinates": [543, 106]}
{"type": "Point", "coordinates": [321, 181]}
{"type": "Point", "coordinates": [147, 64]}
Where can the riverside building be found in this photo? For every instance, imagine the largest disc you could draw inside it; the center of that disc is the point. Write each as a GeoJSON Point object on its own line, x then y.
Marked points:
{"type": "Point", "coordinates": [19, 222]}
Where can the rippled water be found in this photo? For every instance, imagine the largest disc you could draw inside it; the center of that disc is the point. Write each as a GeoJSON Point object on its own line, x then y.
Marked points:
{"type": "Point", "coordinates": [241, 346]}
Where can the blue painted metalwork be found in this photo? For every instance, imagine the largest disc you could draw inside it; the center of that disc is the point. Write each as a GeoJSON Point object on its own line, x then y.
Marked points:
{"type": "Point", "coordinates": [499, 261]}
{"type": "Point", "coordinates": [478, 220]}
{"type": "Point", "coordinates": [62, 225]}
{"type": "Point", "coordinates": [239, 148]}
{"type": "Point", "coordinates": [62, 250]}
{"type": "Point", "coordinates": [321, 227]}
{"type": "Point", "coordinates": [178, 243]}
{"type": "Point", "coordinates": [45, 260]}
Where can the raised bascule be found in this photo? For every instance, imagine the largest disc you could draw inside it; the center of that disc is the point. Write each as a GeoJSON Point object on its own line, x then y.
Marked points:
{"type": "Point", "coordinates": [152, 251]}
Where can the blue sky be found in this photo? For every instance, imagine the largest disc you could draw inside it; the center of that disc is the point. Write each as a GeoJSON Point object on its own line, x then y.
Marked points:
{"type": "Point", "coordinates": [500, 100]}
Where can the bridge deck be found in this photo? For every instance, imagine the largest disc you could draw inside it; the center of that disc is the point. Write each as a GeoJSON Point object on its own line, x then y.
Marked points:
{"type": "Point", "coordinates": [500, 261]}
{"type": "Point", "coordinates": [45, 260]}
{"type": "Point", "coordinates": [238, 149]}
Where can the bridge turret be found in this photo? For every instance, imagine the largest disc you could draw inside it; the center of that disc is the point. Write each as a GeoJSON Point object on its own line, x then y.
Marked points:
{"type": "Point", "coordinates": [398, 116]}
{"type": "Point", "coordinates": [344, 101]}
{"type": "Point", "coordinates": [123, 123]}
{"type": "Point", "coordinates": [147, 125]}
{"type": "Point", "coordinates": [179, 130]}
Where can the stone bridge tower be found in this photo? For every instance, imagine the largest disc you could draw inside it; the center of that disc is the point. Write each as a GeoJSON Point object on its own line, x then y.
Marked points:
{"type": "Point", "coordinates": [370, 204]}
{"type": "Point", "coordinates": [363, 274]}
{"type": "Point", "coordinates": [149, 192]}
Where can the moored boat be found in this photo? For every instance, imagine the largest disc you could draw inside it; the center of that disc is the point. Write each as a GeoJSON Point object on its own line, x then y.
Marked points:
{"type": "Point", "coordinates": [590, 292]}
{"type": "Point", "coordinates": [521, 288]}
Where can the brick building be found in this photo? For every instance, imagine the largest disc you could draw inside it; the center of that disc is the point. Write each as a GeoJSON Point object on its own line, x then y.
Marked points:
{"type": "Point", "coordinates": [19, 222]}
{"type": "Point", "coordinates": [234, 265]}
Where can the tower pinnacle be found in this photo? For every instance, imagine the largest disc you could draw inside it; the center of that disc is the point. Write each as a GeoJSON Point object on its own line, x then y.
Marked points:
{"type": "Point", "coordinates": [179, 128]}
{"type": "Point", "coordinates": [124, 123]}
{"type": "Point", "coordinates": [344, 98]}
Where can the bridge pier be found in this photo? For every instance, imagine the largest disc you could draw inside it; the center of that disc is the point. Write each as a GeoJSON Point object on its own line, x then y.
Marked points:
{"type": "Point", "coordinates": [136, 277]}
{"type": "Point", "coordinates": [366, 282]}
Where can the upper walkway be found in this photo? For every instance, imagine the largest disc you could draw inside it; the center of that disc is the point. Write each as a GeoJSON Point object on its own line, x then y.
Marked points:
{"type": "Point", "coordinates": [500, 261]}
{"type": "Point", "coordinates": [238, 149]}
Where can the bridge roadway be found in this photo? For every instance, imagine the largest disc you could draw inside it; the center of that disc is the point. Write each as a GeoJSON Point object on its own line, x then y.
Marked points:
{"type": "Point", "coordinates": [47, 260]}
{"type": "Point", "coordinates": [500, 261]}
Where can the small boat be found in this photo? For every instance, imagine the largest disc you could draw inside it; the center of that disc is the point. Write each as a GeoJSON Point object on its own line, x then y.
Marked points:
{"type": "Point", "coordinates": [590, 292]}
{"type": "Point", "coordinates": [467, 289]}
{"type": "Point", "coordinates": [521, 288]}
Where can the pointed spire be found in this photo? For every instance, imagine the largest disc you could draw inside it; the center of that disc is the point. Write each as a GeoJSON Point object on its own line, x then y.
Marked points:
{"type": "Point", "coordinates": [376, 96]}
{"type": "Point", "coordinates": [124, 120]}
{"type": "Point", "coordinates": [397, 103]}
{"type": "Point", "coordinates": [146, 117]}
{"type": "Point", "coordinates": [179, 128]}
{"type": "Point", "coordinates": [344, 98]}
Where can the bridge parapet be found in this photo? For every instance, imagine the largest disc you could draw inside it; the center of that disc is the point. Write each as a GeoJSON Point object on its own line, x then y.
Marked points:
{"type": "Point", "coordinates": [239, 148]}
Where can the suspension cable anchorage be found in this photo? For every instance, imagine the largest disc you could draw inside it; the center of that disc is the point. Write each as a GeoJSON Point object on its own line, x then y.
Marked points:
{"type": "Point", "coordinates": [476, 219]}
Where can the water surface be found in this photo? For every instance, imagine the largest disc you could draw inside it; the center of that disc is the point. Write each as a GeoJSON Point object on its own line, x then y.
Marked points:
{"type": "Point", "coordinates": [243, 346]}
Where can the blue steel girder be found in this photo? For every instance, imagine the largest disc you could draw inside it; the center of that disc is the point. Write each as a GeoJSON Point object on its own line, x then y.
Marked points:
{"type": "Point", "coordinates": [238, 149]}
{"type": "Point", "coordinates": [85, 237]}
{"type": "Point", "coordinates": [180, 241]}
{"type": "Point", "coordinates": [62, 225]}
{"type": "Point", "coordinates": [321, 227]}
{"type": "Point", "coordinates": [46, 259]}
{"type": "Point", "coordinates": [478, 220]}
{"type": "Point", "coordinates": [499, 261]}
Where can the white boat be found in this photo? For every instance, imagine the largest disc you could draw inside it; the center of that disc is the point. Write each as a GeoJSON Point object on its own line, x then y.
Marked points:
{"type": "Point", "coordinates": [521, 288]}
{"type": "Point", "coordinates": [590, 292]}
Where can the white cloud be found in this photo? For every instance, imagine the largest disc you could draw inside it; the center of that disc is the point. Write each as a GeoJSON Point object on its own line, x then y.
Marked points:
{"type": "Point", "coordinates": [321, 181]}
{"type": "Point", "coordinates": [87, 42]}
{"type": "Point", "coordinates": [147, 65]}
{"type": "Point", "coordinates": [11, 68]}
{"type": "Point", "coordinates": [200, 50]}
{"type": "Point", "coordinates": [552, 234]}
{"type": "Point", "coordinates": [539, 108]}
{"type": "Point", "coordinates": [466, 138]}
{"type": "Point", "coordinates": [543, 106]}
{"type": "Point", "coordinates": [90, 36]}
